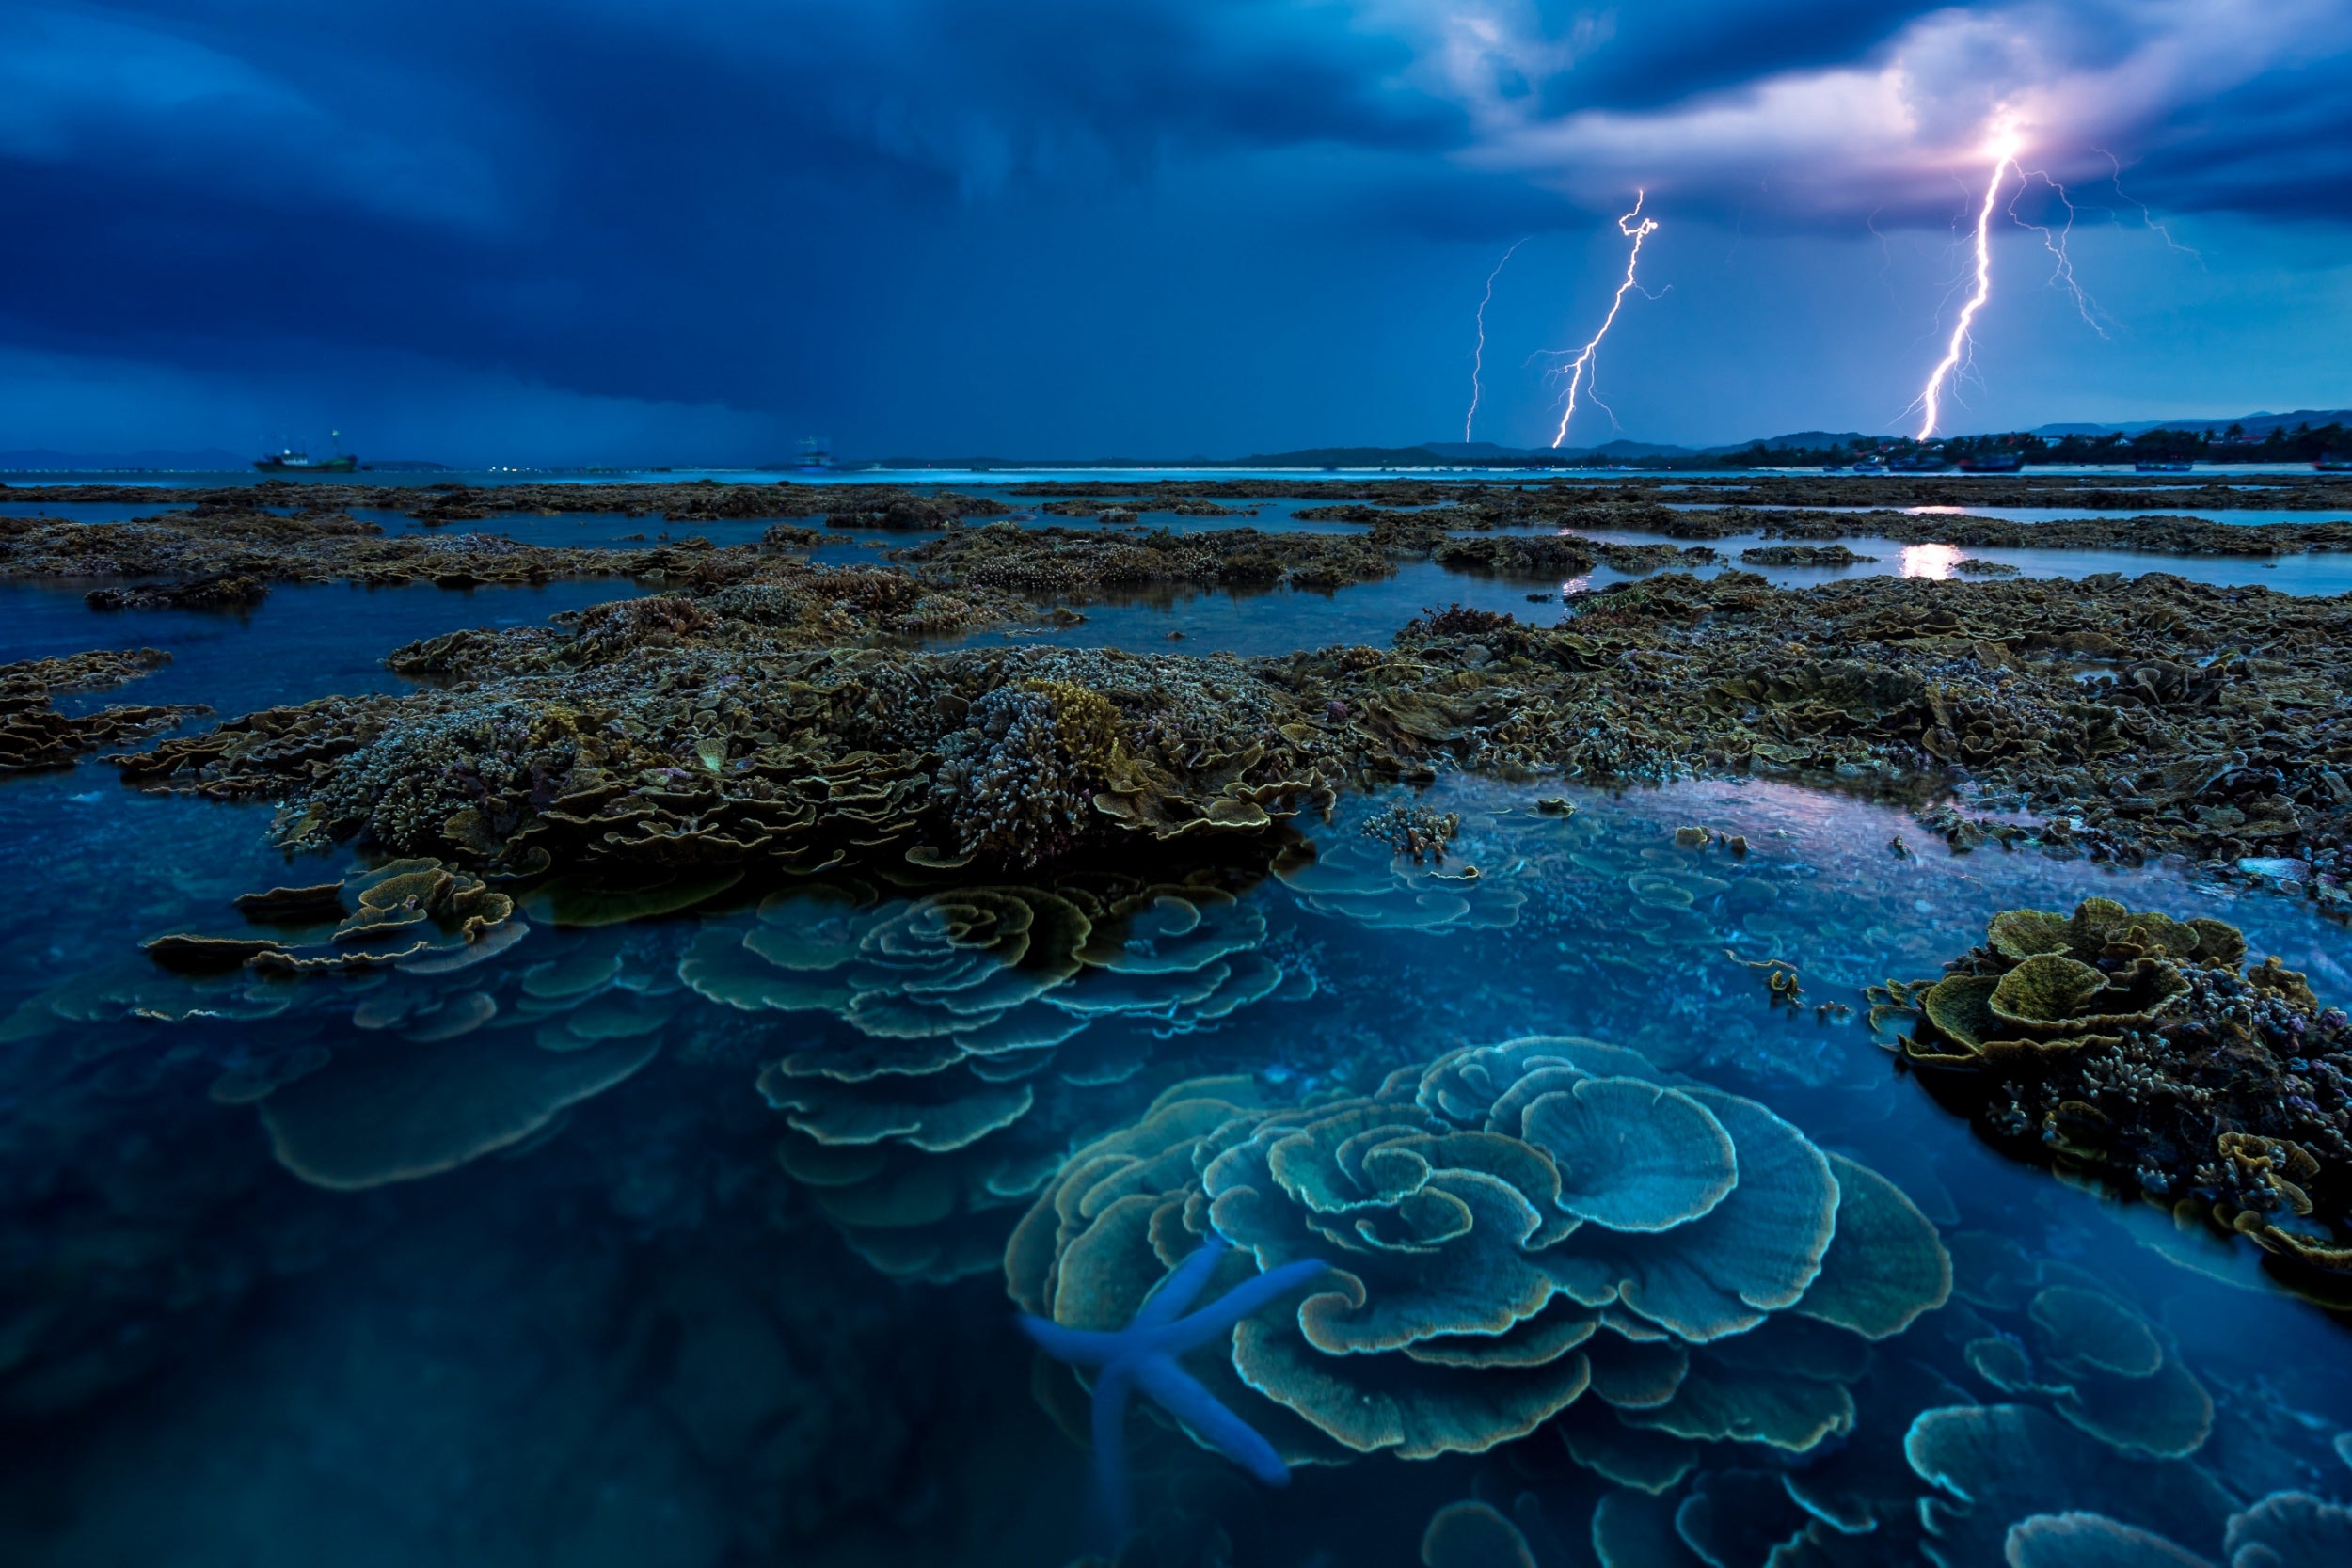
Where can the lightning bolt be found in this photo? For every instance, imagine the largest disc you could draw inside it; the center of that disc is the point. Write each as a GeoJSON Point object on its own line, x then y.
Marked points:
{"type": "Point", "coordinates": [1578, 370]}
{"type": "Point", "coordinates": [2145, 215]}
{"type": "Point", "coordinates": [1478, 355]}
{"type": "Point", "coordinates": [2003, 150]}
{"type": "Point", "coordinates": [2054, 240]}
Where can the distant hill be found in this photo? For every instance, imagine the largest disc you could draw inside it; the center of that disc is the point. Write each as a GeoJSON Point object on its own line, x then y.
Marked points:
{"type": "Point", "coordinates": [1486, 452]}
{"type": "Point", "coordinates": [1802, 440]}
{"type": "Point", "coordinates": [2256, 424]}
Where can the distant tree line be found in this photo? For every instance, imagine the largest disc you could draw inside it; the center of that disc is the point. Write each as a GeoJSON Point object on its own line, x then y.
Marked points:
{"type": "Point", "coordinates": [2305, 443]}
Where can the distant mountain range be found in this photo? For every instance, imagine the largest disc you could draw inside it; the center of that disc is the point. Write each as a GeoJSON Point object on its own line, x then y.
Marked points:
{"type": "Point", "coordinates": [2256, 424]}
{"type": "Point", "coordinates": [1426, 455]}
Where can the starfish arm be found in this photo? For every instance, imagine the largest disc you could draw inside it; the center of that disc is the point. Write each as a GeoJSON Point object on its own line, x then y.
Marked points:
{"type": "Point", "coordinates": [1213, 1321]}
{"type": "Point", "coordinates": [1113, 1507]}
{"type": "Point", "coordinates": [1182, 1287]}
{"type": "Point", "coordinates": [1077, 1347]}
{"type": "Point", "coordinates": [1179, 1394]}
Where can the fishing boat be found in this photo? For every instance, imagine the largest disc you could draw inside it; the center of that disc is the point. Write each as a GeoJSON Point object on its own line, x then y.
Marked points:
{"type": "Point", "coordinates": [1918, 465]}
{"type": "Point", "coordinates": [1871, 466]}
{"type": "Point", "coordinates": [290, 460]}
{"type": "Point", "coordinates": [1993, 463]}
{"type": "Point", "coordinates": [2333, 462]}
{"type": "Point", "coordinates": [2162, 465]}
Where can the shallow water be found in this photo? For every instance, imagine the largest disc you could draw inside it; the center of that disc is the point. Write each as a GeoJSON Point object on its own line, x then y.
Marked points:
{"type": "Point", "coordinates": [514, 1262]}
{"type": "Point", "coordinates": [1282, 620]}
{"type": "Point", "coordinates": [304, 641]}
{"type": "Point", "coordinates": [2059, 513]}
{"type": "Point", "coordinates": [2323, 574]}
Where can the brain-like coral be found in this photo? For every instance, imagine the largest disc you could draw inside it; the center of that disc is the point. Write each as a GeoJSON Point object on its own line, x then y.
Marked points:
{"type": "Point", "coordinates": [2146, 1047]}
{"type": "Point", "coordinates": [1549, 1230]}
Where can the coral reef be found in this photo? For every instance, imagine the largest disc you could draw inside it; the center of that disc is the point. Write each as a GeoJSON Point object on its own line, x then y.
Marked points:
{"type": "Point", "coordinates": [798, 760]}
{"type": "Point", "coordinates": [2133, 719]}
{"type": "Point", "coordinates": [226, 557]}
{"type": "Point", "coordinates": [2147, 1048]}
{"type": "Point", "coordinates": [1393, 874]}
{"type": "Point", "coordinates": [34, 734]}
{"type": "Point", "coordinates": [402, 910]}
{"type": "Point", "coordinates": [213, 593]}
{"type": "Point", "coordinates": [1803, 555]}
{"type": "Point", "coordinates": [1143, 1355]}
{"type": "Point", "coordinates": [1087, 563]}
{"type": "Point", "coordinates": [1508, 1229]}
{"type": "Point", "coordinates": [1414, 832]}
{"type": "Point", "coordinates": [986, 1021]}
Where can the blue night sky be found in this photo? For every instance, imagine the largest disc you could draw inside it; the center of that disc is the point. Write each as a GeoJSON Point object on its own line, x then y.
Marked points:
{"type": "Point", "coordinates": [516, 230]}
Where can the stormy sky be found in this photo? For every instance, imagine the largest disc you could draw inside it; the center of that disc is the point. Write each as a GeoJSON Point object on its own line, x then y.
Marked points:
{"type": "Point", "coordinates": [614, 231]}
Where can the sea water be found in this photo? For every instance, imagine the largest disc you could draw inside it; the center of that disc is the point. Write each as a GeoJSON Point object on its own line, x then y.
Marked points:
{"type": "Point", "coordinates": [621, 1331]}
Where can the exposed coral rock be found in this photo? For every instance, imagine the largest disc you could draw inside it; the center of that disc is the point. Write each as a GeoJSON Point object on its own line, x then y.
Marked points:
{"type": "Point", "coordinates": [34, 734]}
{"type": "Point", "coordinates": [2136, 1044]}
{"type": "Point", "coordinates": [215, 592]}
{"type": "Point", "coordinates": [2131, 718]}
{"type": "Point", "coordinates": [1804, 555]}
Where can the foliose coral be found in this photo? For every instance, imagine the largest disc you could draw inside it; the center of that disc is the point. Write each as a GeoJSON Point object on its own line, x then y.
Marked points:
{"type": "Point", "coordinates": [2146, 1047]}
{"type": "Point", "coordinates": [34, 734]}
{"type": "Point", "coordinates": [984, 1020]}
{"type": "Point", "coordinates": [1548, 1232]}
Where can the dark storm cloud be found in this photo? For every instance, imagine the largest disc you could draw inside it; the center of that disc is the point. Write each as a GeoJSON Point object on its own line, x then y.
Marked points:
{"type": "Point", "coordinates": [787, 206]}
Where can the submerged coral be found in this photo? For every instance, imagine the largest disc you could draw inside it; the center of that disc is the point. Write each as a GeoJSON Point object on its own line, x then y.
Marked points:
{"type": "Point", "coordinates": [1143, 1356]}
{"type": "Point", "coordinates": [984, 1017]}
{"type": "Point", "coordinates": [2144, 1046]}
{"type": "Point", "coordinates": [1394, 874]}
{"type": "Point", "coordinates": [1509, 1230]}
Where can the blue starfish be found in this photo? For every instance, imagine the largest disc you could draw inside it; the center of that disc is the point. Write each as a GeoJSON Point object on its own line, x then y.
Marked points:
{"type": "Point", "coordinates": [1143, 1355]}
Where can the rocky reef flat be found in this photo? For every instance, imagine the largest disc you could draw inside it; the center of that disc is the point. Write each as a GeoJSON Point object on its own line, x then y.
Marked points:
{"type": "Point", "coordinates": [2129, 719]}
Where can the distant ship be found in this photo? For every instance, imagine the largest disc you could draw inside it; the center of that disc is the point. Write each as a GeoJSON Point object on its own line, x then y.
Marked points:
{"type": "Point", "coordinates": [286, 460]}
{"type": "Point", "coordinates": [815, 453]}
{"type": "Point", "coordinates": [2162, 465]}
